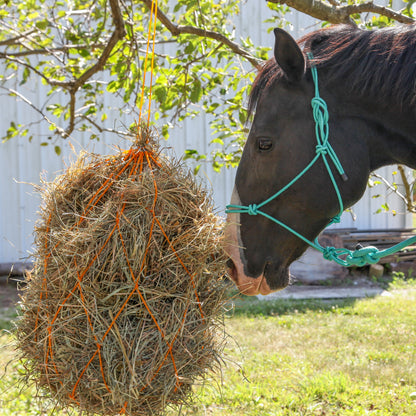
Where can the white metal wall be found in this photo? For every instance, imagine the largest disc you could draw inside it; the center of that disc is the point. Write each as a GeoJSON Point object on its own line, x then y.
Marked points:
{"type": "Point", "coordinates": [21, 163]}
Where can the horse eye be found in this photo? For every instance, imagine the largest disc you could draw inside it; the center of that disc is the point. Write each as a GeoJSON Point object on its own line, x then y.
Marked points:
{"type": "Point", "coordinates": [265, 144]}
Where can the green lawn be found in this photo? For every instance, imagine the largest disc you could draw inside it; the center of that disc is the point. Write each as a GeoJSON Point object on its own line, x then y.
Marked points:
{"type": "Point", "coordinates": [298, 358]}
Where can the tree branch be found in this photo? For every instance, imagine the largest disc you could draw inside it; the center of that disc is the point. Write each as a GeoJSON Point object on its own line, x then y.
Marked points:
{"type": "Point", "coordinates": [407, 189]}
{"type": "Point", "coordinates": [333, 2]}
{"type": "Point", "coordinates": [370, 7]}
{"type": "Point", "coordinates": [71, 125]}
{"type": "Point", "coordinates": [102, 130]}
{"type": "Point", "coordinates": [118, 34]}
{"type": "Point", "coordinates": [177, 30]}
{"type": "Point", "coordinates": [393, 188]}
{"type": "Point", "coordinates": [44, 116]}
{"type": "Point", "coordinates": [16, 40]}
{"type": "Point", "coordinates": [73, 86]}
{"type": "Point", "coordinates": [49, 81]}
{"type": "Point", "coordinates": [49, 51]}
{"type": "Point", "coordinates": [341, 14]}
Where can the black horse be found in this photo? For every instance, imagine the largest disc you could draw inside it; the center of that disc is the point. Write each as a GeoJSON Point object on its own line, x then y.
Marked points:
{"type": "Point", "coordinates": [368, 80]}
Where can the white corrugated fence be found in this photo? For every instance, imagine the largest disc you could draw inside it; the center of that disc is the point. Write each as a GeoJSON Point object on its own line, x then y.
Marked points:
{"type": "Point", "coordinates": [21, 162]}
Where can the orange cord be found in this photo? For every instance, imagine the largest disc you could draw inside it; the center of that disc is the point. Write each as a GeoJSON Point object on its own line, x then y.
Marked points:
{"type": "Point", "coordinates": [153, 60]}
{"type": "Point", "coordinates": [153, 16]}
{"type": "Point", "coordinates": [134, 159]}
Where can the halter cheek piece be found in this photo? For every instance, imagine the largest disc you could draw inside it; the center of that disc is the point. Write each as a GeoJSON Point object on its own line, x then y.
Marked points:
{"type": "Point", "coordinates": [359, 257]}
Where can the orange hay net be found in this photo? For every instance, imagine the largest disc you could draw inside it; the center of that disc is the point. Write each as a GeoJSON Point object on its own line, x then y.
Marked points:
{"type": "Point", "coordinates": [135, 159]}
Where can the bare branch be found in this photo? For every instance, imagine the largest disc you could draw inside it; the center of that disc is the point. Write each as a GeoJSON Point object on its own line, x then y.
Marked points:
{"type": "Point", "coordinates": [341, 14]}
{"type": "Point", "coordinates": [71, 125]}
{"type": "Point", "coordinates": [395, 190]}
{"type": "Point", "coordinates": [118, 34]}
{"type": "Point", "coordinates": [333, 2]}
{"type": "Point", "coordinates": [16, 39]}
{"type": "Point", "coordinates": [73, 86]}
{"type": "Point", "coordinates": [177, 30]}
{"type": "Point", "coordinates": [49, 51]}
{"type": "Point", "coordinates": [102, 130]}
{"type": "Point", "coordinates": [49, 81]}
{"type": "Point", "coordinates": [317, 9]}
{"type": "Point", "coordinates": [370, 7]}
{"type": "Point", "coordinates": [408, 189]}
{"type": "Point", "coordinates": [59, 130]}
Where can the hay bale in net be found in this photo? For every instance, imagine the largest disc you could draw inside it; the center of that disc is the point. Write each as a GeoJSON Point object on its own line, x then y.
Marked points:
{"type": "Point", "coordinates": [122, 312]}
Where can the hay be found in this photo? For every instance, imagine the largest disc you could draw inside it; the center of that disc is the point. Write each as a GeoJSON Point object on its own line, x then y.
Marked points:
{"type": "Point", "coordinates": [122, 312]}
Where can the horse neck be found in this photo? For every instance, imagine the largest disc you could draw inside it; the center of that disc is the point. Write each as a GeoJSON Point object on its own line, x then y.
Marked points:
{"type": "Point", "coordinates": [389, 130]}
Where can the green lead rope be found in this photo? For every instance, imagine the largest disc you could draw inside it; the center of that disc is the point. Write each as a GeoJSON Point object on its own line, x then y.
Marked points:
{"type": "Point", "coordinates": [342, 256]}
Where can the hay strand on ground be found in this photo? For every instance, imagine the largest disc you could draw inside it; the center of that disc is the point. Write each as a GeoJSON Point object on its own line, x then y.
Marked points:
{"type": "Point", "coordinates": [122, 311]}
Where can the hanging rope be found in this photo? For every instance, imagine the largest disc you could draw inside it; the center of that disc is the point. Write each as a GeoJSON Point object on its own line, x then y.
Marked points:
{"type": "Point", "coordinates": [151, 36]}
{"type": "Point", "coordinates": [135, 159]}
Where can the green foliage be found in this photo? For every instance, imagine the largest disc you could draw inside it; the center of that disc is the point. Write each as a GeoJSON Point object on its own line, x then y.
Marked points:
{"type": "Point", "coordinates": [371, 21]}
{"type": "Point", "coordinates": [192, 74]}
{"type": "Point", "coordinates": [61, 46]}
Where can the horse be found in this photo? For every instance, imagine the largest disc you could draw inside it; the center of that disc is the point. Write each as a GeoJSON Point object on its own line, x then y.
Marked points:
{"type": "Point", "coordinates": [367, 79]}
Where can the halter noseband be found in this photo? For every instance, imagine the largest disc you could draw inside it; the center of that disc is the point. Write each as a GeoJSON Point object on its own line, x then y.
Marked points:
{"type": "Point", "coordinates": [323, 149]}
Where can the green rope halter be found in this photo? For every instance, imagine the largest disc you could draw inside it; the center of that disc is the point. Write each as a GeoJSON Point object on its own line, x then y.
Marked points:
{"type": "Point", "coordinates": [359, 257]}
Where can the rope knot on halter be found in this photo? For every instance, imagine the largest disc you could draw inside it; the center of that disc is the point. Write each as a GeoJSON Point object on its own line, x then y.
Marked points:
{"type": "Point", "coordinates": [252, 209]}
{"type": "Point", "coordinates": [363, 256]}
{"type": "Point", "coordinates": [336, 219]}
{"type": "Point", "coordinates": [321, 149]}
{"type": "Point", "coordinates": [320, 110]}
{"type": "Point", "coordinates": [330, 253]}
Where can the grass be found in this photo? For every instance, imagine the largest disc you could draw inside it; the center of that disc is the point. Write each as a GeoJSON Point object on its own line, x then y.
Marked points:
{"type": "Point", "coordinates": [297, 358]}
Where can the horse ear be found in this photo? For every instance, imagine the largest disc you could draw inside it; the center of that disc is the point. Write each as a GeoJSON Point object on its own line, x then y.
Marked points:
{"type": "Point", "coordinates": [288, 55]}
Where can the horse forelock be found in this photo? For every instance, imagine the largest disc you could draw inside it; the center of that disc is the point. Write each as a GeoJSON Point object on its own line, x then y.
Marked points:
{"type": "Point", "coordinates": [269, 72]}
{"type": "Point", "coordinates": [380, 64]}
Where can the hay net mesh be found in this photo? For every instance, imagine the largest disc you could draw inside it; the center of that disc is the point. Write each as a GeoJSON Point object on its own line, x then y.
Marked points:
{"type": "Point", "coordinates": [123, 310]}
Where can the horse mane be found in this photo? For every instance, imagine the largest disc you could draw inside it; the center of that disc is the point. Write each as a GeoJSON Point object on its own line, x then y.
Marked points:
{"type": "Point", "coordinates": [379, 64]}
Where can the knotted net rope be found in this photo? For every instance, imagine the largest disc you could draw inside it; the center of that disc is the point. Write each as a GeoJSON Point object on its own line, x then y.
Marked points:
{"type": "Point", "coordinates": [122, 312]}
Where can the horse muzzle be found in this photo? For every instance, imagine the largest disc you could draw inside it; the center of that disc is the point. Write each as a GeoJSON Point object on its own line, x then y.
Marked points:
{"type": "Point", "coordinates": [271, 280]}
{"type": "Point", "coordinates": [249, 286]}
{"type": "Point", "coordinates": [267, 278]}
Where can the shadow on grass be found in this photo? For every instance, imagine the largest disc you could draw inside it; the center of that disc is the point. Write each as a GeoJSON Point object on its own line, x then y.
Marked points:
{"type": "Point", "coordinates": [241, 305]}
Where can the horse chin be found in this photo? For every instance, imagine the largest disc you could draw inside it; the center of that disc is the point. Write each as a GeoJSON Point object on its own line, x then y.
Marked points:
{"type": "Point", "coordinates": [277, 276]}
{"type": "Point", "coordinates": [252, 286]}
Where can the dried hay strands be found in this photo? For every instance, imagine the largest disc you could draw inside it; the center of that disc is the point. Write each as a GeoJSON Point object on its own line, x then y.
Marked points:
{"type": "Point", "coordinates": [122, 311]}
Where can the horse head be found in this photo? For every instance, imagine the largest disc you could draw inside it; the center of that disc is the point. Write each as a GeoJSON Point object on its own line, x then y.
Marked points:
{"type": "Point", "coordinates": [281, 144]}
